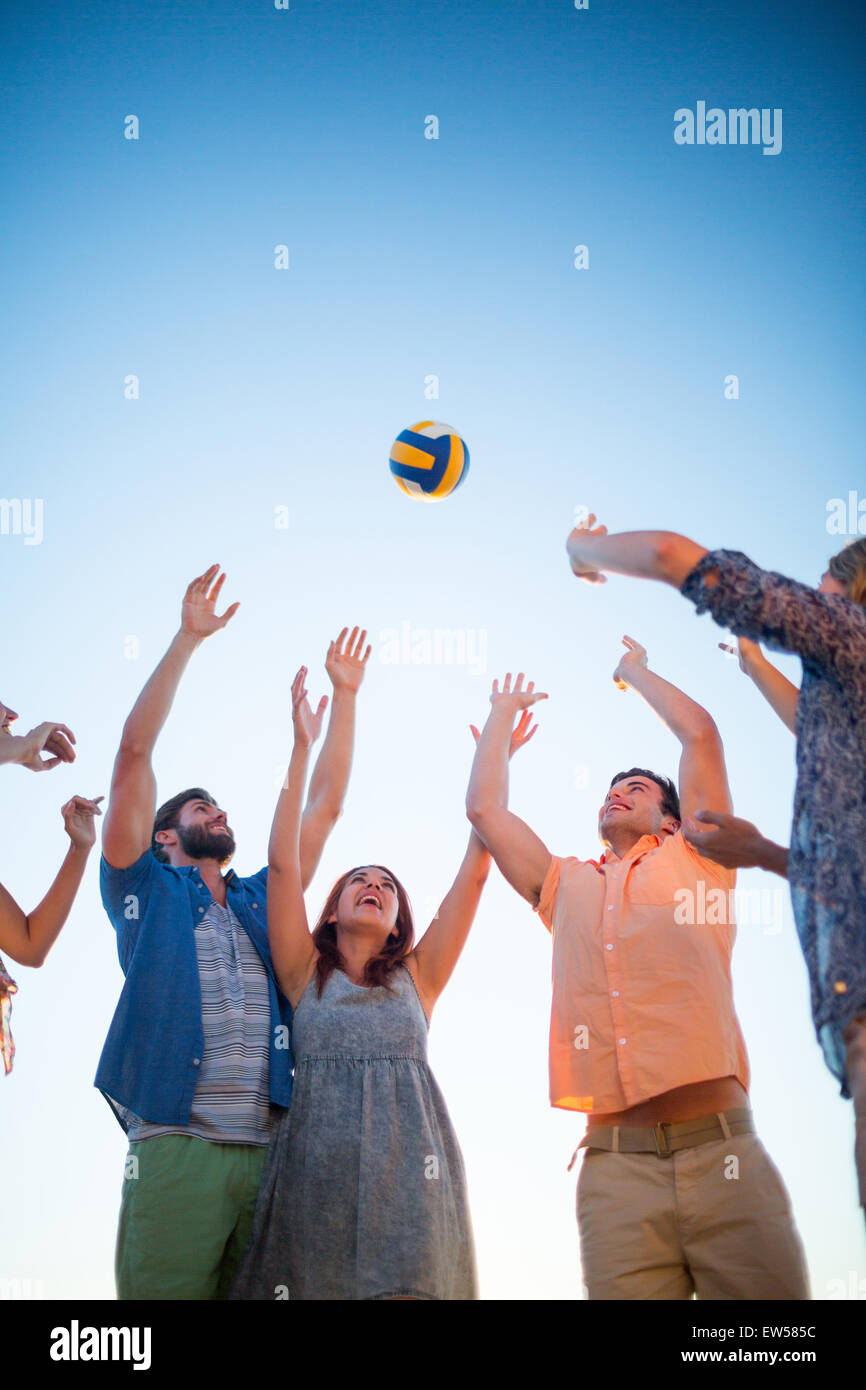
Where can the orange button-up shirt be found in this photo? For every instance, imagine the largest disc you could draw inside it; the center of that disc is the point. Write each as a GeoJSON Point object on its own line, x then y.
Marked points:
{"type": "Point", "coordinates": [642, 994]}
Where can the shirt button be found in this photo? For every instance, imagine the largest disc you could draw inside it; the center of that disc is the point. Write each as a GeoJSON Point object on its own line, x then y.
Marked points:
{"type": "Point", "coordinates": [201, 909]}
{"type": "Point", "coordinates": [622, 1040]}
{"type": "Point", "coordinates": [610, 907]}
{"type": "Point", "coordinates": [615, 993]}
{"type": "Point", "coordinates": [196, 1061]}
{"type": "Point", "coordinates": [608, 947]}
{"type": "Point", "coordinates": [840, 987]}
{"type": "Point", "coordinates": [255, 904]}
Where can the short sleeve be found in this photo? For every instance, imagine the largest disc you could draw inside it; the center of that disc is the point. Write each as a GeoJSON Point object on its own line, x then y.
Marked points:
{"type": "Point", "coordinates": [116, 883]}
{"type": "Point", "coordinates": [549, 890]}
{"type": "Point", "coordinates": [826, 630]}
{"type": "Point", "coordinates": [710, 869]}
{"type": "Point", "coordinates": [120, 890]}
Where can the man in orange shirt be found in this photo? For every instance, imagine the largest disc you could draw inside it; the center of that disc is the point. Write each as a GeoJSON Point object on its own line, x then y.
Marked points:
{"type": "Point", "coordinates": [676, 1194]}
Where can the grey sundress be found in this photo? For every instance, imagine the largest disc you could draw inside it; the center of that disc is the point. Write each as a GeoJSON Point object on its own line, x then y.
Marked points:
{"type": "Point", "coordinates": [364, 1192]}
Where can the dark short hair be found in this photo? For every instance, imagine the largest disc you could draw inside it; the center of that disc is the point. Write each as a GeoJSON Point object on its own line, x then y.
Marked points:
{"type": "Point", "coordinates": [670, 797]}
{"type": "Point", "coordinates": [168, 816]}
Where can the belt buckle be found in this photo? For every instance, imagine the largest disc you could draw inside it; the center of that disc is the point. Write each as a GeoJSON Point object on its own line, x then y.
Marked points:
{"type": "Point", "coordinates": [658, 1132]}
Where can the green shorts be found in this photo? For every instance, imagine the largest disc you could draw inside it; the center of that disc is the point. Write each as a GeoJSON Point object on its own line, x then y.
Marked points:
{"type": "Point", "coordinates": [185, 1217]}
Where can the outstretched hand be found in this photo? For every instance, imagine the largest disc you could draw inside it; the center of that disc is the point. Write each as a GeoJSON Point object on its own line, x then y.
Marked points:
{"type": "Point", "coordinates": [631, 660]}
{"type": "Point", "coordinates": [198, 614]}
{"type": "Point", "coordinates": [307, 725]}
{"type": "Point", "coordinates": [346, 667]}
{"type": "Point", "coordinates": [520, 734]}
{"type": "Point", "coordinates": [515, 698]}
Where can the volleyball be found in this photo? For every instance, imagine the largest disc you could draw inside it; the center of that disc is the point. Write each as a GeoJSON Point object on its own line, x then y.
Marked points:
{"type": "Point", "coordinates": [429, 460]}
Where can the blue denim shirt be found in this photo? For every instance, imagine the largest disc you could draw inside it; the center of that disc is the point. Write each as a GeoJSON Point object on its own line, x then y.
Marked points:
{"type": "Point", "coordinates": [151, 1058]}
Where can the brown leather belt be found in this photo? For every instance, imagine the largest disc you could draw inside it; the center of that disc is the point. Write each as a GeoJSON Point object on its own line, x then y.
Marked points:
{"type": "Point", "coordinates": [666, 1138]}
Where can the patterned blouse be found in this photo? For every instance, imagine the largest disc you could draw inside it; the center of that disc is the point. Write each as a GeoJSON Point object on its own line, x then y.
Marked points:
{"type": "Point", "coordinates": [8, 987]}
{"type": "Point", "coordinates": [827, 859]}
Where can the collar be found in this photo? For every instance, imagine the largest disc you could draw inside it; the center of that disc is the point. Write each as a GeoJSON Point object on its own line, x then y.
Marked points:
{"type": "Point", "coordinates": [641, 846]}
{"type": "Point", "coordinates": [190, 869]}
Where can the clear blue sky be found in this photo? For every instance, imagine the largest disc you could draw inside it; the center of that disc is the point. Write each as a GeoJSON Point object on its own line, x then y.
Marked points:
{"type": "Point", "coordinates": [262, 388]}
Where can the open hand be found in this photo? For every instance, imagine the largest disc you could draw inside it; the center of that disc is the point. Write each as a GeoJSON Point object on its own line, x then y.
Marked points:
{"type": "Point", "coordinates": [631, 660]}
{"type": "Point", "coordinates": [515, 698]}
{"type": "Point", "coordinates": [307, 725]}
{"type": "Point", "coordinates": [346, 668]}
{"type": "Point", "coordinates": [198, 614]}
{"type": "Point", "coordinates": [520, 734]}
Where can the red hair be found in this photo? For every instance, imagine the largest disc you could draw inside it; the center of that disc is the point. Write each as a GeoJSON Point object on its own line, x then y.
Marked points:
{"type": "Point", "coordinates": [379, 967]}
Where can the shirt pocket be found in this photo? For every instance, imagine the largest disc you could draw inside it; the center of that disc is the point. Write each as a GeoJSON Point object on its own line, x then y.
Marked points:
{"type": "Point", "coordinates": [652, 889]}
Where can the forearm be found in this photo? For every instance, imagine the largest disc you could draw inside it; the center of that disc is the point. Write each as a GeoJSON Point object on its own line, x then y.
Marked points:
{"type": "Point", "coordinates": [11, 749]}
{"type": "Point", "coordinates": [662, 555]}
{"type": "Point", "coordinates": [330, 777]}
{"type": "Point", "coordinates": [488, 780]}
{"type": "Point", "coordinates": [461, 901]}
{"type": "Point", "coordinates": [439, 949]}
{"type": "Point", "coordinates": [284, 843]}
{"type": "Point", "coordinates": [772, 857]}
{"type": "Point", "coordinates": [686, 719]}
{"type": "Point", "coordinates": [45, 922]}
{"type": "Point", "coordinates": [780, 693]}
{"type": "Point", "coordinates": [153, 705]}
{"type": "Point", "coordinates": [475, 868]}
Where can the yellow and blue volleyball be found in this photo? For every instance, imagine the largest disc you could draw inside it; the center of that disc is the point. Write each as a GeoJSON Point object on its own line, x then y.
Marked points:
{"type": "Point", "coordinates": [429, 461]}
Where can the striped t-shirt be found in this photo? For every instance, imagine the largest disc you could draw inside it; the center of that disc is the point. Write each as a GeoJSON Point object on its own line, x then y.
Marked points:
{"type": "Point", "coordinates": [231, 1103]}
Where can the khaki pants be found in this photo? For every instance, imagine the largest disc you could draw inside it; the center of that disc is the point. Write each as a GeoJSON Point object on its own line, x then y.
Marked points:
{"type": "Point", "coordinates": [714, 1220]}
{"type": "Point", "coordinates": [855, 1064]}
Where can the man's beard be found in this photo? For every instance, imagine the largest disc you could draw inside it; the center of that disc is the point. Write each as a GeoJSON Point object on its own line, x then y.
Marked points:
{"type": "Point", "coordinates": [200, 843]}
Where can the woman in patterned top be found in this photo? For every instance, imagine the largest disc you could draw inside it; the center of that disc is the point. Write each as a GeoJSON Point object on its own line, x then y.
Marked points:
{"type": "Point", "coordinates": [28, 937]}
{"type": "Point", "coordinates": [826, 863]}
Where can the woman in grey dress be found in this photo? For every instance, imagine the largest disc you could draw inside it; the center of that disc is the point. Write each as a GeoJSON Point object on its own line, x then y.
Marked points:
{"type": "Point", "coordinates": [364, 1193]}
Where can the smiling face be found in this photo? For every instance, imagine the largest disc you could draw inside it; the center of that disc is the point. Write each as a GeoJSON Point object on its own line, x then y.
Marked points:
{"type": "Point", "coordinates": [368, 903]}
{"type": "Point", "coordinates": [200, 831]}
{"type": "Point", "coordinates": [632, 808]}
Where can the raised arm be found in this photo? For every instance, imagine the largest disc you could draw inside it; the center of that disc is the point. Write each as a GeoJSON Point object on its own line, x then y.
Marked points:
{"type": "Point", "coordinates": [703, 779]}
{"type": "Point", "coordinates": [291, 942]}
{"type": "Point", "coordinates": [345, 666]}
{"type": "Point", "coordinates": [132, 798]}
{"type": "Point", "coordinates": [780, 693]}
{"type": "Point", "coordinates": [28, 937]}
{"type": "Point", "coordinates": [434, 958]}
{"type": "Point", "coordinates": [662, 555]}
{"type": "Point", "coordinates": [520, 855]}
{"type": "Point", "coordinates": [823, 628]}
